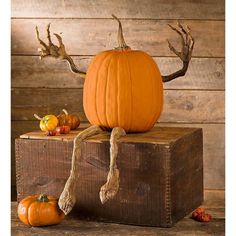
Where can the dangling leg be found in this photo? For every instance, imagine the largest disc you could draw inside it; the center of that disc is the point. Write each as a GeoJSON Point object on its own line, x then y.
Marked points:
{"type": "Point", "coordinates": [68, 198]}
{"type": "Point", "coordinates": [110, 188]}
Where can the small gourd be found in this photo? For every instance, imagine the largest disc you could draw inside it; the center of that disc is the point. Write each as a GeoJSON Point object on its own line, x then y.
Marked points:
{"type": "Point", "coordinates": [48, 122]}
{"type": "Point", "coordinates": [67, 119]}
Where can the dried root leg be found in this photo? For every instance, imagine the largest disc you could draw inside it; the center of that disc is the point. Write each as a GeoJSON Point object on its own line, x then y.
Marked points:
{"type": "Point", "coordinates": [110, 188]}
{"type": "Point", "coordinates": [68, 198]}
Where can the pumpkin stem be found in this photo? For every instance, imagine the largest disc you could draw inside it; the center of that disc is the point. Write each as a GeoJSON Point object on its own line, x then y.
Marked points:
{"type": "Point", "coordinates": [43, 198]}
{"type": "Point", "coordinates": [37, 117]}
{"type": "Point", "coordinates": [65, 111]}
{"type": "Point", "coordinates": [121, 40]}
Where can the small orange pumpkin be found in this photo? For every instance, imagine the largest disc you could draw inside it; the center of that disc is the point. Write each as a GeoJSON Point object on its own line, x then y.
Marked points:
{"type": "Point", "coordinates": [67, 119]}
{"type": "Point", "coordinates": [40, 210]}
{"type": "Point", "coordinates": [123, 88]}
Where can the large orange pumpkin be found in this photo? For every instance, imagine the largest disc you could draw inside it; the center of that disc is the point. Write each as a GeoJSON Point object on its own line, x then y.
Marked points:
{"type": "Point", "coordinates": [123, 88]}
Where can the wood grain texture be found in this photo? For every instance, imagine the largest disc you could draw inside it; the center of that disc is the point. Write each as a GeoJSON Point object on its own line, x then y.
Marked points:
{"type": "Point", "coordinates": [90, 36]}
{"type": "Point", "coordinates": [18, 128]}
{"type": "Point", "coordinates": [157, 9]}
{"type": "Point", "coordinates": [29, 71]}
{"type": "Point", "coordinates": [26, 102]}
{"type": "Point", "coordinates": [182, 106]}
{"type": "Point", "coordinates": [213, 150]}
{"type": "Point", "coordinates": [161, 135]}
{"type": "Point", "coordinates": [74, 226]}
{"type": "Point", "coordinates": [213, 153]}
{"type": "Point", "coordinates": [214, 198]}
{"type": "Point", "coordinates": [186, 106]}
{"type": "Point", "coordinates": [145, 29]}
{"type": "Point", "coordinates": [153, 165]}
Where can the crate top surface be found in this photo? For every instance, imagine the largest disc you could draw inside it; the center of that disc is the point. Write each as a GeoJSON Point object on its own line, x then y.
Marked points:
{"type": "Point", "coordinates": [158, 135]}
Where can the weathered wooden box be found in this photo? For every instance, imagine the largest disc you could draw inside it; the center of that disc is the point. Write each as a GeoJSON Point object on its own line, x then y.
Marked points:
{"type": "Point", "coordinates": [161, 173]}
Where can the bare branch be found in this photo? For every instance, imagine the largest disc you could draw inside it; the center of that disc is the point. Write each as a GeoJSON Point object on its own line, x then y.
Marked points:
{"type": "Point", "coordinates": [181, 35]}
{"type": "Point", "coordinates": [185, 54]}
{"type": "Point", "coordinates": [173, 49]}
{"type": "Point", "coordinates": [40, 41]}
{"type": "Point", "coordinates": [48, 35]}
{"type": "Point", "coordinates": [52, 50]}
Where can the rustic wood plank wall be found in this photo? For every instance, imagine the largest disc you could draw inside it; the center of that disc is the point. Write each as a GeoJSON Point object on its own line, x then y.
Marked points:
{"type": "Point", "coordinates": [48, 86]}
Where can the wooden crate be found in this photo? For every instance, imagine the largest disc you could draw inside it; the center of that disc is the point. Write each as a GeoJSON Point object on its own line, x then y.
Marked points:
{"type": "Point", "coordinates": [161, 173]}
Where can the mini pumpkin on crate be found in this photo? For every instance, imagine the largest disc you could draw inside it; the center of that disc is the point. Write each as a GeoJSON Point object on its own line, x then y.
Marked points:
{"type": "Point", "coordinates": [67, 119]}
{"type": "Point", "coordinates": [56, 125]}
{"type": "Point", "coordinates": [123, 92]}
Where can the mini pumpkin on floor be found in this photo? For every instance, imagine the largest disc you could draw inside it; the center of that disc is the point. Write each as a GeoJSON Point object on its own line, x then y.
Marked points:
{"type": "Point", "coordinates": [123, 92]}
{"type": "Point", "coordinates": [40, 210]}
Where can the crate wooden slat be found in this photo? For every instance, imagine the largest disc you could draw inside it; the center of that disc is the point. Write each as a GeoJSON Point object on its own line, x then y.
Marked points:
{"type": "Point", "coordinates": [161, 173]}
{"type": "Point", "coordinates": [213, 150]}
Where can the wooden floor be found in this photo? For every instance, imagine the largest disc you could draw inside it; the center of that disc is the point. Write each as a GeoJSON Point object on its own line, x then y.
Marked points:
{"type": "Point", "coordinates": [74, 226]}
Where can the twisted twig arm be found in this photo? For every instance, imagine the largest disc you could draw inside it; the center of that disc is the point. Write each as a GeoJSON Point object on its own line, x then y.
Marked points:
{"type": "Point", "coordinates": [53, 50]}
{"type": "Point", "coordinates": [73, 67]}
{"type": "Point", "coordinates": [178, 73]}
{"type": "Point", "coordinates": [185, 54]}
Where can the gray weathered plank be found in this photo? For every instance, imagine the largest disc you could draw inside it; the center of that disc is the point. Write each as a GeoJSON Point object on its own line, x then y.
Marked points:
{"type": "Point", "coordinates": [29, 71]}
{"type": "Point", "coordinates": [213, 136]}
{"type": "Point", "coordinates": [74, 226]}
{"type": "Point", "coordinates": [90, 36]}
{"type": "Point", "coordinates": [182, 106]}
{"type": "Point", "coordinates": [157, 9]}
{"type": "Point", "coordinates": [193, 106]}
{"type": "Point", "coordinates": [214, 198]}
{"type": "Point", "coordinates": [26, 102]}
